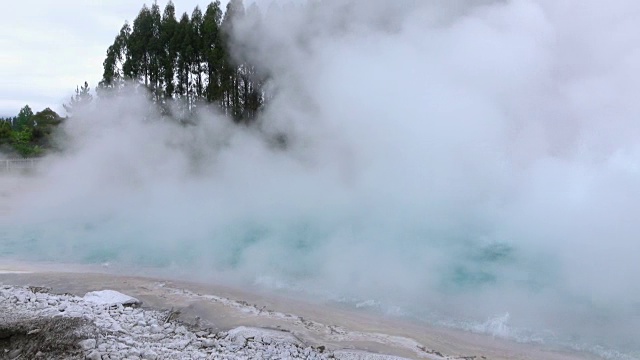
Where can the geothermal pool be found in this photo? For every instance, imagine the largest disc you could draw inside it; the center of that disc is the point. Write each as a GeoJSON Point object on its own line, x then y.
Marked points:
{"type": "Point", "coordinates": [384, 261]}
{"type": "Point", "coordinates": [472, 164]}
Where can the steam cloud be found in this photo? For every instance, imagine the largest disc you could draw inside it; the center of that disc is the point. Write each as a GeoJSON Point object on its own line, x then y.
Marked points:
{"type": "Point", "coordinates": [466, 158]}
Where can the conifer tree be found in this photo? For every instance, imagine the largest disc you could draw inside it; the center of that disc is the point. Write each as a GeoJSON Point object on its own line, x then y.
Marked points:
{"type": "Point", "coordinates": [168, 30]}
{"type": "Point", "coordinates": [182, 41]}
{"type": "Point", "coordinates": [251, 79]}
{"type": "Point", "coordinates": [190, 60]}
{"type": "Point", "coordinates": [155, 51]}
{"type": "Point", "coordinates": [139, 46]}
{"type": "Point", "coordinates": [22, 133]}
{"type": "Point", "coordinates": [213, 51]}
{"type": "Point", "coordinates": [117, 55]}
{"type": "Point", "coordinates": [80, 100]}
{"type": "Point", "coordinates": [230, 72]}
{"type": "Point", "coordinates": [196, 42]}
{"type": "Point", "coordinates": [24, 119]}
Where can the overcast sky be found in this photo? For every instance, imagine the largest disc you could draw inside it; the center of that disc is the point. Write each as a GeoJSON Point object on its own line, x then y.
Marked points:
{"type": "Point", "coordinates": [49, 47]}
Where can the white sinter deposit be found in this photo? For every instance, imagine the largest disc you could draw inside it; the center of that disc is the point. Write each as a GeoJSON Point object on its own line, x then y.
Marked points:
{"type": "Point", "coordinates": [110, 325]}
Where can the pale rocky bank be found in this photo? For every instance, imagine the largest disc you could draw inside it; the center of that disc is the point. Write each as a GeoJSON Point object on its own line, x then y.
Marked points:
{"type": "Point", "coordinates": [59, 315]}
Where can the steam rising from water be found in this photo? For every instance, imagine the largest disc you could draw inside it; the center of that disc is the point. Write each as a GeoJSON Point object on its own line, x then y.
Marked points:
{"type": "Point", "coordinates": [460, 159]}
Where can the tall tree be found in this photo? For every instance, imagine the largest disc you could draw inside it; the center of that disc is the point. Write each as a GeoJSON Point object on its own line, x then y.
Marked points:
{"type": "Point", "coordinates": [80, 100]}
{"type": "Point", "coordinates": [230, 71]}
{"type": "Point", "coordinates": [117, 55]}
{"type": "Point", "coordinates": [24, 119]}
{"type": "Point", "coordinates": [155, 54]}
{"type": "Point", "coordinates": [22, 133]}
{"type": "Point", "coordinates": [190, 60]}
{"type": "Point", "coordinates": [168, 30]}
{"type": "Point", "coordinates": [251, 92]}
{"type": "Point", "coordinates": [213, 51]}
{"type": "Point", "coordinates": [139, 45]}
{"type": "Point", "coordinates": [181, 40]}
{"type": "Point", "coordinates": [196, 43]}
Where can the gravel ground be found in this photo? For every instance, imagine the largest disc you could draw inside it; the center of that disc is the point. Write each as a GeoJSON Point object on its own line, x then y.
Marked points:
{"type": "Point", "coordinates": [36, 324]}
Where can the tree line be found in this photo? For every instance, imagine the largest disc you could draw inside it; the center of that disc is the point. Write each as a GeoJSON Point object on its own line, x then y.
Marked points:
{"type": "Point", "coordinates": [182, 64]}
{"type": "Point", "coordinates": [28, 134]}
{"type": "Point", "coordinates": [187, 62]}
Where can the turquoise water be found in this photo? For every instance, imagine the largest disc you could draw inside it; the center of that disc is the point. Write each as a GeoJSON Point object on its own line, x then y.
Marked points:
{"type": "Point", "coordinates": [455, 281]}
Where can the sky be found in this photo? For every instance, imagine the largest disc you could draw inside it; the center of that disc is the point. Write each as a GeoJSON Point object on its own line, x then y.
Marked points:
{"type": "Point", "coordinates": [49, 47]}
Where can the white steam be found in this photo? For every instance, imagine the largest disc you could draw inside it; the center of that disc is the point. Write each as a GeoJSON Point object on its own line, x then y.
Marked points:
{"type": "Point", "coordinates": [466, 157]}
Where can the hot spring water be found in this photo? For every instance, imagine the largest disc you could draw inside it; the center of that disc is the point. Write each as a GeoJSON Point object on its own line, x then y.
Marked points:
{"type": "Point", "coordinates": [363, 259]}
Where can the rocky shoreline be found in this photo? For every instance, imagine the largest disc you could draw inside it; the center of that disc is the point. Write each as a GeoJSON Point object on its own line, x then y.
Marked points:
{"type": "Point", "coordinates": [35, 323]}
{"type": "Point", "coordinates": [61, 311]}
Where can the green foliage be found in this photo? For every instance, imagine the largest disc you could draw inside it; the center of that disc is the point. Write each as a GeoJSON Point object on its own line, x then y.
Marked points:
{"type": "Point", "coordinates": [117, 56]}
{"type": "Point", "coordinates": [213, 51]}
{"type": "Point", "coordinates": [30, 134]}
{"type": "Point", "coordinates": [5, 132]}
{"type": "Point", "coordinates": [24, 119]}
{"type": "Point", "coordinates": [22, 143]}
{"type": "Point", "coordinates": [182, 40]}
{"type": "Point", "coordinates": [47, 121]}
{"type": "Point", "coordinates": [168, 52]}
{"type": "Point", "coordinates": [189, 60]}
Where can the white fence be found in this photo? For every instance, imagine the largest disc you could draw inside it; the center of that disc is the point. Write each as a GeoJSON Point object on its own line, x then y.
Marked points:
{"type": "Point", "coordinates": [18, 164]}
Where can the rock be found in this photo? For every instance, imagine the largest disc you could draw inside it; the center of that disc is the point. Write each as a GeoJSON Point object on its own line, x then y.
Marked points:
{"type": "Point", "coordinates": [149, 355]}
{"type": "Point", "coordinates": [178, 344]}
{"type": "Point", "coordinates": [14, 354]}
{"type": "Point", "coordinates": [157, 337]}
{"type": "Point", "coordinates": [41, 305]}
{"type": "Point", "coordinates": [111, 298]}
{"type": "Point", "coordinates": [156, 329]}
{"type": "Point", "coordinates": [94, 355]}
{"type": "Point", "coordinates": [116, 332]}
{"type": "Point", "coordinates": [88, 344]}
{"type": "Point", "coordinates": [208, 343]}
{"type": "Point", "coordinates": [134, 353]}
